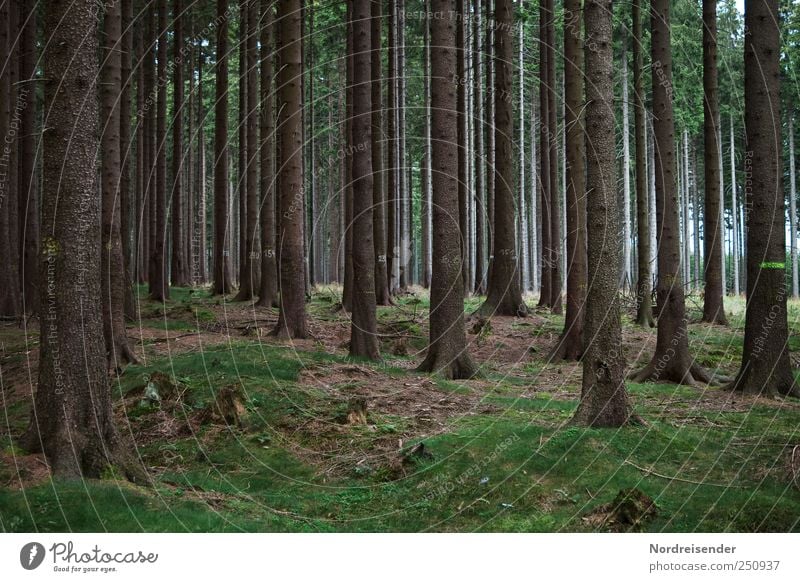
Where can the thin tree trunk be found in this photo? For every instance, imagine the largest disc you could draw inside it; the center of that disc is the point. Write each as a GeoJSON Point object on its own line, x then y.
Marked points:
{"type": "Point", "coordinates": [545, 296]}
{"type": "Point", "coordinates": [627, 277]}
{"type": "Point", "coordinates": [382, 295]}
{"type": "Point", "coordinates": [792, 208]}
{"type": "Point", "coordinates": [504, 296]}
{"type": "Point", "coordinates": [556, 213]}
{"type": "Point", "coordinates": [479, 64]}
{"type": "Point", "coordinates": [26, 110]}
{"type": "Point", "coordinates": [604, 400]}
{"type": "Point", "coordinates": [644, 304]}
{"type": "Point", "coordinates": [570, 345]}
{"type": "Point", "coordinates": [112, 261]}
{"type": "Point", "coordinates": [268, 290]}
{"type": "Point", "coordinates": [222, 282]}
{"type": "Point", "coordinates": [735, 216]}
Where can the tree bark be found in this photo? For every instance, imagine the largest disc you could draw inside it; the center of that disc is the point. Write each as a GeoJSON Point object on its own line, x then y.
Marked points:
{"type": "Point", "coordinates": [604, 399]}
{"type": "Point", "coordinates": [112, 263]}
{"type": "Point", "coordinates": [72, 421]}
{"type": "Point", "coordinates": [766, 369]}
{"type": "Point", "coordinates": [556, 213]}
{"type": "Point", "coordinates": [671, 361]}
{"type": "Point", "coordinates": [793, 209]}
{"type": "Point", "coordinates": [222, 282]}
{"type": "Point", "coordinates": [644, 303]}
{"type": "Point", "coordinates": [159, 288]}
{"type": "Point", "coordinates": [291, 262]}
{"type": "Point", "coordinates": [382, 295]}
{"type": "Point", "coordinates": [504, 296]}
{"type": "Point", "coordinates": [479, 64]}
{"type": "Point", "coordinates": [627, 278]}
{"type": "Point", "coordinates": [363, 329]}
{"type": "Point", "coordinates": [179, 270]}
{"type": "Point", "coordinates": [447, 352]}
{"type": "Point", "coordinates": [545, 299]}
{"type": "Point", "coordinates": [268, 290]}
{"type": "Point", "coordinates": [570, 345]}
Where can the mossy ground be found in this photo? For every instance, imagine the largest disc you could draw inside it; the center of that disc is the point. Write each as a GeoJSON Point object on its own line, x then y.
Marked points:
{"type": "Point", "coordinates": [499, 453]}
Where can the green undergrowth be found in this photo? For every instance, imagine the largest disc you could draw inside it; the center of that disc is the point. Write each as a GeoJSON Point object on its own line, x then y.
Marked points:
{"type": "Point", "coordinates": [511, 462]}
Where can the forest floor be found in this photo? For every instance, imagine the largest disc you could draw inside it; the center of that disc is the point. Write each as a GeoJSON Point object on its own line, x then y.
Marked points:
{"type": "Point", "coordinates": [495, 453]}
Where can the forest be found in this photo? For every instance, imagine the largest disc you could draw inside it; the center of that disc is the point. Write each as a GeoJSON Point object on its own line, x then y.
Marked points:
{"type": "Point", "coordinates": [399, 266]}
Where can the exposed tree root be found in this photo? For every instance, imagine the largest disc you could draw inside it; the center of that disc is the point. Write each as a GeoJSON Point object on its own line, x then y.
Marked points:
{"type": "Point", "coordinates": [688, 375]}
{"type": "Point", "coordinates": [749, 383]}
{"type": "Point", "coordinates": [459, 367]}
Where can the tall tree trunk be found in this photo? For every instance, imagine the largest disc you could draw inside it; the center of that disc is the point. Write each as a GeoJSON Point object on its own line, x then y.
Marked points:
{"type": "Point", "coordinates": [112, 260]}
{"type": "Point", "coordinates": [793, 208]}
{"type": "Point", "coordinates": [626, 171]}
{"type": "Point", "coordinates": [545, 299]}
{"type": "Point", "coordinates": [671, 361]}
{"type": "Point", "coordinates": [347, 288]}
{"type": "Point", "coordinates": [461, 109]}
{"type": "Point", "coordinates": [766, 369]}
{"type": "Point", "coordinates": [570, 346]}
{"type": "Point", "coordinates": [522, 215]}
{"type": "Point", "coordinates": [404, 197]}
{"type": "Point", "coordinates": [447, 351]}
{"type": "Point", "coordinates": [504, 296]}
{"type": "Point", "coordinates": [604, 400]}
{"type": "Point", "coordinates": [489, 143]}
{"type": "Point", "coordinates": [291, 262]}
{"type": "Point", "coordinates": [268, 291]}
{"type": "Point", "coordinates": [734, 216]}
{"type": "Point", "coordinates": [159, 289]}
{"type": "Point", "coordinates": [179, 272]}
{"type": "Point", "coordinates": [127, 196]}
{"type": "Point", "coordinates": [382, 295]}
{"type": "Point", "coordinates": [391, 139]}
{"type": "Point", "coordinates": [249, 268]}
{"type": "Point", "coordinates": [222, 282]}
{"type": "Point", "coordinates": [644, 304]}
{"type": "Point", "coordinates": [9, 245]}
{"type": "Point", "coordinates": [479, 64]}
{"type": "Point", "coordinates": [72, 421]}
{"type": "Point", "coordinates": [556, 213]}
{"type": "Point", "coordinates": [28, 189]}
{"type": "Point", "coordinates": [363, 329]}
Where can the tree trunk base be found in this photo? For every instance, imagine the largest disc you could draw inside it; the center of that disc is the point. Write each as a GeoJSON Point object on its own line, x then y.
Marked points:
{"type": "Point", "coordinates": [753, 384]}
{"type": "Point", "coordinates": [715, 317]}
{"type": "Point", "coordinates": [458, 367]}
{"type": "Point", "coordinates": [267, 302]}
{"type": "Point", "coordinates": [244, 295]}
{"type": "Point", "coordinates": [568, 349]}
{"type": "Point", "coordinates": [645, 320]}
{"type": "Point", "coordinates": [687, 375]}
{"type": "Point", "coordinates": [504, 306]}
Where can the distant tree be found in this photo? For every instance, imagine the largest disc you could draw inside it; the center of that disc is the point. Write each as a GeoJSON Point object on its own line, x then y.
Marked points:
{"type": "Point", "coordinates": [179, 269]}
{"type": "Point", "coordinates": [570, 346]}
{"type": "Point", "coordinates": [545, 299]}
{"type": "Point", "coordinates": [671, 361]}
{"type": "Point", "coordinates": [766, 368]}
{"type": "Point", "coordinates": [291, 260]}
{"type": "Point", "coordinates": [268, 289]}
{"type": "Point", "coordinates": [447, 351]}
{"type": "Point", "coordinates": [604, 399]}
{"type": "Point", "coordinates": [159, 287]}
{"type": "Point", "coordinates": [644, 303]}
{"type": "Point", "coordinates": [112, 262]}
{"type": "Point", "coordinates": [504, 296]}
{"type": "Point", "coordinates": [382, 294]}
{"type": "Point", "coordinates": [222, 283]}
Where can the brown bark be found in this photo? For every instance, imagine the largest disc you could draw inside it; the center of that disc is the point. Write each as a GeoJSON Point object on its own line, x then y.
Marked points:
{"type": "Point", "coordinates": [9, 275]}
{"type": "Point", "coordinates": [112, 264]}
{"type": "Point", "coordinates": [363, 329]}
{"type": "Point", "coordinates": [555, 190]}
{"type": "Point", "coordinates": [671, 361]}
{"type": "Point", "coordinates": [392, 158]}
{"type": "Point", "coordinates": [479, 63]}
{"type": "Point", "coordinates": [249, 272]}
{"type": "Point", "coordinates": [447, 351]}
{"type": "Point", "coordinates": [644, 291]}
{"type": "Point", "coordinates": [766, 369]}
{"type": "Point", "coordinates": [604, 399]}
{"type": "Point", "coordinates": [222, 283]}
{"type": "Point", "coordinates": [545, 299]}
{"type": "Point", "coordinates": [159, 288]}
{"type": "Point", "coordinates": [28, 212]}
{"type": "Point", "coordinates": [127, 196]}
{"type": "Point", "coordinates": [347, 287]}
{"type": "Point", "coordinates": [268, 289]}
{"type": "Point", "coordinates": [72, 421]}
{"type": "Point", "coordinates": [178, 267]}
{"type": "Point", "coordinates": [713, 308]}
{"type": "Point", "coordinates": [382, 295]}
{"type": "Point", "coordinates": [504, 296]}
{"type": "Point", "coordinates": [292, 317]}
{"type": "Point", "coordinates": [461, 108]}
{"type": "Point", "coordinates": [570, 346]}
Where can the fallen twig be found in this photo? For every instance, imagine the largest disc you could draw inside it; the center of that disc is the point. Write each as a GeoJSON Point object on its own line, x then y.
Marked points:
{"type": "Point", "coordinates": [675, 478]}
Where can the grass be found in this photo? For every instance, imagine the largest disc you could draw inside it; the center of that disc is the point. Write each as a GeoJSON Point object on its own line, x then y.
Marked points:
{"type": "Point", "coordinates": [515, 465]}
